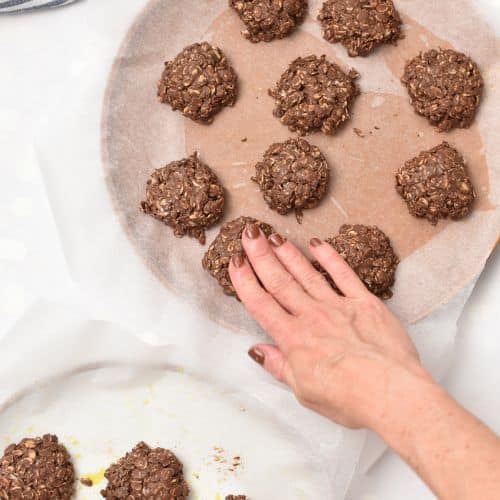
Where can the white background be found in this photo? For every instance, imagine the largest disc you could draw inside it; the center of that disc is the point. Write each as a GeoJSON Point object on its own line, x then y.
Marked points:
{"type": "Point", "coordinates": [33, 48]}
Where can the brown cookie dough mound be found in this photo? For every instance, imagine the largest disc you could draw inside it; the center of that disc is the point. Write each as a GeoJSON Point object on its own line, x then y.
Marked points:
{"type": "Point", "coordinates": [445, 87]}
{"type": "Point", "coordinates": [226, 244]}
{"type": "Point", "coordinates": [187, 196]}
{"type": "Point", "coordinates": [199, 82]}
{"type": "Point", "coordinates": [314, 94]}
{"type": "Point", "coordinates": [37, 468]}
{"type": "Point", "coordinates": [435, 184]}
{"type": "Point", "coordinates": [236, 497]}
{"type": "Point", "coordinates": [360, 25]}
{"type": "Point", "coordinates": [292, 176]}
{"type": "Point", "coordinates": [146, 473]}
{"type": "Point", "coordinates": [369, 252]}
{"type": "Point", "coordinates": [266, 20]}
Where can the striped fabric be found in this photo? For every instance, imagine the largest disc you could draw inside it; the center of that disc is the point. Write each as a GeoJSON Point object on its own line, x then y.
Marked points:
{"type": "Point", "coordinates": [10, 6]}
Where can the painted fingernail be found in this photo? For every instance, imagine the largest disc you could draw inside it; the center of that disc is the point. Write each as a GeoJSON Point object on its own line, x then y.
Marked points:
{"type": "Point", "coordinates": [253, 231]}
{"type": "Point", "coordinates": [238, 260]}
{"type": "Point", "coordinates": [315, 242]}
{"type": "Point", "coordinates": [276, 240]}
{"type": "Point", "coordinates": [257, 355]}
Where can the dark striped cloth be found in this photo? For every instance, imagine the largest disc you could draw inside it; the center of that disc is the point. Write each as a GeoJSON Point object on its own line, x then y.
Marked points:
{"type": "Point", "coordinates": [9, 6]}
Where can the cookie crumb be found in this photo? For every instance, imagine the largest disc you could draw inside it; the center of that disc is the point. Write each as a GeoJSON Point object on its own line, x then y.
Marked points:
{"type": "Point", "coordinates": [86, 481]}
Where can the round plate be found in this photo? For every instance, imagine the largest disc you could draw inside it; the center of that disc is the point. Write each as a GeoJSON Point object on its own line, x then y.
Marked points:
{"type": "Point", "coordinates": [140, 134]}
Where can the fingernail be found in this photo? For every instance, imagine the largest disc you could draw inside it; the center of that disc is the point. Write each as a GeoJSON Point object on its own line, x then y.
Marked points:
{"type": "Point", "coordinates": [238, 260]}
{"type": "Point", "coordinates": [315, 242]}
{"type": "Point", "coordinates": [257, 355]}
{"type": "Point", "coordinates": [276, 240]}
{"type": "Point", "coordinates": [253, 231]}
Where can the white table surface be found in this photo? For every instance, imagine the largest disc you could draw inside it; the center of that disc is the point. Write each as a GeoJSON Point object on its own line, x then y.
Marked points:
{"type": "Point", "coordinates": [32, 45]}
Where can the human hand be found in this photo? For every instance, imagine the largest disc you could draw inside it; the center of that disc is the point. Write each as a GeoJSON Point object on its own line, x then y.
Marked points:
{"type": "Point", "coordinates": [338, 354]}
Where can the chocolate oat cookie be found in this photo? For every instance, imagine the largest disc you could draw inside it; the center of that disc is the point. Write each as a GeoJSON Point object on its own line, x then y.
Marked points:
{"type": "Point", "coordinates": [226, 244]}
{"type": "Point", "coordinates": [266, 20]}
{"type": "Point", "coordinates": [292, 176]}
{"type": "Point", "coordinates": [436, 185]}
{"type": "Point", "coordinates": [360, 25]}
{"type": "Point", "coordinates": [445, 87]}
{"type": "Point", "coordinates": [314, 94]}
{"type": "Point", "coordinates": [146, 473]}
{"type": "Point", "coordinates": [236, 497]}
{"type": "Point", "coordinates": [369, 252]}
{"type": "Point", "coordinates": [38, 468]}
{"type": "Point", "coordinates": [187, 196]}
{"type": "Point", "coordinates": [199, 82]}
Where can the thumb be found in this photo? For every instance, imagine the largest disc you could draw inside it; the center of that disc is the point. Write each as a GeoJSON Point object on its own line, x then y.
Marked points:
{"type": "Point", "coordinates": [270, 358]}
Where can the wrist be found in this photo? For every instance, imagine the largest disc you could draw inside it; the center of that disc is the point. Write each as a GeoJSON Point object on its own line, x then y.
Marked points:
{"type": "Point", "coordinates": [406, 407]}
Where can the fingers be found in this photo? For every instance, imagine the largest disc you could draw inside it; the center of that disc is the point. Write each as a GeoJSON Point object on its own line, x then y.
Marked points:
{"type": "Point", "coordinates": [301, 268]}
{"type": "Point", "coordinates": [271, 359]}
{"type": "Point", "coordinates": [260, 304]}
{"type": "Point", "coordinates": [344, 277]}
{"type": "Point", "coordinates": [275, 278]}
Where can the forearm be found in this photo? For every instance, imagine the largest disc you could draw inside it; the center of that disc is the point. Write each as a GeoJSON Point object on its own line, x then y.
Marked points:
{"type": "Point", "coordinates": [452, 451]}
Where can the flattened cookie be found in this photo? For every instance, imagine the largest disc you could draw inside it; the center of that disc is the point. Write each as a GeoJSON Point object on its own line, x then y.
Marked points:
{"type": "Point", "coordinates": [445, 87]}
{"type": "Point", "coordinates": [436, 185]}
{"type": "Point", "coordinates": [293, 175]}
{"type": "Point", "coordinates": [187, 196]}
{"type": "Point", "coordinates": [314, 94]}
{"type": "Point", "coordinates": [226, 244]}
{"type": "Point", "coordinates": [360, 25]}
{"type": "Point", "coordinates": [370, 254]}
{"type": "Point", "coordinates": [266, 20]}
{"type": "Point", "coordinates": [199, 82]}
{"type": "Point", "coordinates": [146, 473]}
{"type": "Point", "coordinates": [38, 468]}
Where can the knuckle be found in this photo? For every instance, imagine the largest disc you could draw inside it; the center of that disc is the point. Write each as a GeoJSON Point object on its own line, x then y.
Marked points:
{"type": "Point", "coordinates": [374, 306]}
{"type": "Point", "coordinates": [314, 279]}
{"type": "Point", "coordinates": [255, 304]}
{"type": "Point", "coordinates": [261, 252]}
{"type": "Point", "coordinates": [278, 282]}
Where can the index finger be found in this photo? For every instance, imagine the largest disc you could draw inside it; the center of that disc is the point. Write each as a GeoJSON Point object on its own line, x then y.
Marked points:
{"type": "Point", "coordinates": [259, 303]}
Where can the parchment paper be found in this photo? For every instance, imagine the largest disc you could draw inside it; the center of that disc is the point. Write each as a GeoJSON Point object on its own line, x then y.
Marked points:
{"type": "Point", "coordinates": [139, 135]}
{"type": "Point", "coordinates": [101, 391]}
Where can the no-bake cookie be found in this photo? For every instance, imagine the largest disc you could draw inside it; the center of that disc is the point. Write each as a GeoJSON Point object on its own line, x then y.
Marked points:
{"type": "Point", "coordinates": [187, 196]}
{"type": "Point", "coordinates": [293, 175]}
{"type": "Point", "coordinates": [236, 497]}
{"type": "Point", "coordinates": [436, 185]}
{"type": "Point", "coordinates": [37, 468]}
{"type": "Point", "coordinates": [314, 94]}
{"type": "Point", "coordinates": [146, 473]}
{"type": "Point", "coordinates": [199, 82]}
{"type": "Point", "coordinates": [369, 253]}
{"type": "Point", "coordinates": [266, 20]}
{"type": "Point", "coordinates": [360, 25]}
{"type": "Point", "coordinates": [226, 244]}
{"type": "Point", "coordinates": [445, 87]}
